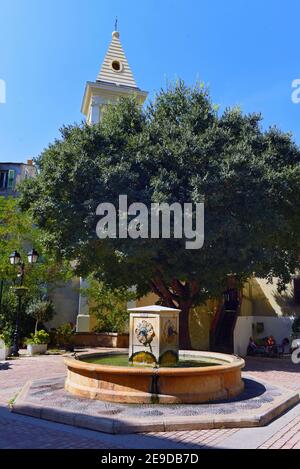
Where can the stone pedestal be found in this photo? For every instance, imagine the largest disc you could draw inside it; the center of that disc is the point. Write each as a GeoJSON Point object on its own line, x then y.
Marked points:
{"type": "Point", "coordinates": [83, 318]}
{"type": "Point", "coordinates": [154, 335]}
{"type": "Point", "coordinates": [83, 323]}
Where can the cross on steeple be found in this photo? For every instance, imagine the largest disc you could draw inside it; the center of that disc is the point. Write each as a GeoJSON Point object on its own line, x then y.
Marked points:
{"type": "Point", "coordinates": [116, 24]}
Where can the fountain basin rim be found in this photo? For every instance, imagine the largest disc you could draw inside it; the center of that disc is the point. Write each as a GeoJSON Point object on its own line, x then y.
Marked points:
{"type": "Point", "coordinates": [231, 362]}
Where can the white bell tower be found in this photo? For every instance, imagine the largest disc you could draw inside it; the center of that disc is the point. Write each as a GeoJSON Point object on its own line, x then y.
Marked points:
{"type": "Point", "coordinates": [114, 80]}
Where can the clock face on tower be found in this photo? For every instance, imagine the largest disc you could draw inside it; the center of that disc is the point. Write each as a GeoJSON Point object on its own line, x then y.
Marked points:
{"type": "Point", "coordinates": [116, 65]}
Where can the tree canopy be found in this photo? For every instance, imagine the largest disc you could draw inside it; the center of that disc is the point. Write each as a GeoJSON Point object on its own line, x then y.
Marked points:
{"type": "Point", "coordinates": [18, 232]}
{"type": "Point", "coordinates": [180, 148]}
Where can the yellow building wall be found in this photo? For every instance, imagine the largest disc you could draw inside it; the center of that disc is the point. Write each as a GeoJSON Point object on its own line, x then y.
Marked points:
{"type": "Point", "coordinates": [149, 300]}
{"type": "Point", "coordinates": [257, 300]}
{"type": "Point", "coordinates": [246, 307]}
{"type": "Point", "coordinates": [261, 298]}
{"type": "Point", "coordinates": [260, 301]}
{"type": "Point", "coordinates": [93, 322]}
{"type": "Point", "coordinates": [200, 321]}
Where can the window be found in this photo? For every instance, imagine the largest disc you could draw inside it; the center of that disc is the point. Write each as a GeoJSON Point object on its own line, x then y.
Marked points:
{"type": "Point", "coordinates": [7, 179]}
{"type": "Point", "coordinates": [3, 180]}
{"type": "Point", "coordinates": [116, 66]}
{"type": "Point", "coordinates": [11, 179]}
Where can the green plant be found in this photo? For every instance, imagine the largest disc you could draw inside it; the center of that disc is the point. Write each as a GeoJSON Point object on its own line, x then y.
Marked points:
{"type": "Point", "coordinates": [38, 338]}
{"type": "Point", "coordinates": [8, 311]}
{"type": "Point", "coordinates": [12, 401]}
{"type": "Point", "coordinates": [17, 232]}
{"type": "Point", "coordinates": [42, 311]}
{"type": "Point", "coordinates": [108, 306]}
{"type": "Point", "coordinates": [65, 334]}
{"type": "Point", "coordinates": [6, 335]}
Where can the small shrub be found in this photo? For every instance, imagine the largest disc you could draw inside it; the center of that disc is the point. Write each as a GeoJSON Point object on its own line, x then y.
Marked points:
{"type": "Point", "coordinates": [9, 309]}
{"type": "Point", "coordinates": [38, 338]}
{"type": "Point", "coordinates": [7, 336]}
{"type": "Point", "coordinates": [65, 335]}
{"type": "Point", "coordinates": [108, 306]}
{"type": "Point", "coordinates": [42, 311]}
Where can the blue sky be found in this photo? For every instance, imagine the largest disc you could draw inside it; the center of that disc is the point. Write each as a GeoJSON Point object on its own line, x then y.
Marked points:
{"type": "Point", "coordinates": [246, 50]}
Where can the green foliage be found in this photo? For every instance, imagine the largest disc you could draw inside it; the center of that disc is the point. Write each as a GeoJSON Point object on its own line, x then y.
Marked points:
{"type": "Point", "coordinates": [42, 311]}
{"type": "Point", "coordinates": [65, 334]}
{"type": "Point", "coordinates": [38, 338]}
{"type": "Point", "coordinates": [109, 306]}
{"type": "Point", "coordinates": [18, 232]}
{"type": "Point", "coordinates": [7, 336]}
{"type": "Point", "coordinates": [9, 309]}
{"type": "Point", "coordinates": [12, 401]}
{"type": "Point", "coordinates": [180, 149]}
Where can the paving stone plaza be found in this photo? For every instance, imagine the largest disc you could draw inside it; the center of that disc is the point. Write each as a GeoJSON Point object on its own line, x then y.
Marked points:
{"type": "Point", "coordinates": [19, 431]}
{"type": "Point", "coordinates": [149, 230]}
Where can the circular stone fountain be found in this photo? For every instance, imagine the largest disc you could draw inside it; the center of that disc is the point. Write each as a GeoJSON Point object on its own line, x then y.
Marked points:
{"type": "Point", "coordinates": [156, 372]}
{"type": "Point", "coordinates": [219, 380]}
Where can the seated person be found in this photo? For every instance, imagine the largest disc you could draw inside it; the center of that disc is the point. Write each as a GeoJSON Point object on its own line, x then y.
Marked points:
{"type": "Point", "coordinates": [283, 348]}
{"type": "Point", "coordinates": [271, 346]}
{"type": "Point", "coordinates": [252, 347]}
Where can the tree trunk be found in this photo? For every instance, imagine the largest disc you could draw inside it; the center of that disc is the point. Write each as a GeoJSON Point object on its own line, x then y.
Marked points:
{"type": "Point", "coordinates": [184, 329]}
{"type": "Point", "coordinates": [179, 296]}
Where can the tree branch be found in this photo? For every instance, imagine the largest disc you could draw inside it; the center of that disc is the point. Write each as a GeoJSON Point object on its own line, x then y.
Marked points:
{"type": "Point", "coordinates": [162, 291]}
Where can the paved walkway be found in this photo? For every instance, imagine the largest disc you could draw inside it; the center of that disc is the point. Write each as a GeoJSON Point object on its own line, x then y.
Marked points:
{"type": "Point", "coordinates": [18, 431]}
{"type": "Point", "coordinates": [282, 372]}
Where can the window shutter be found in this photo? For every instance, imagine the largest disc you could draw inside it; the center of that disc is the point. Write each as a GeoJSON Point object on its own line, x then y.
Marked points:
{"type": "Point", "coordinates": [11, 179]}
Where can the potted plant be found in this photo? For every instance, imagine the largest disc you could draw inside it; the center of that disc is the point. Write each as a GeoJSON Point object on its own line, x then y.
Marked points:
{"type": "Point", "coordinates": [5, 344]}
{"type": "Point", "coordinates": [37, 343]}
{"type": "Point", "coordinates": [108, 310]}
{"type": "Point", "coordinates": [41, 310]}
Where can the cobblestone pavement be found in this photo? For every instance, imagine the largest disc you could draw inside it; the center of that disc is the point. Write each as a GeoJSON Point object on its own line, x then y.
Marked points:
{"type": "Point", "coordinates": [198, 439]}
{"type": "Point", "coordinates": [27, 433]}
{"type": "Point", "coordinates": [15, 373]}
{"type": "Point", "coordinates": [287, 438]}
{"type": "Point", "coordinates": [18, 431]}
{"type": "Point", "coordinates": [281, 372]}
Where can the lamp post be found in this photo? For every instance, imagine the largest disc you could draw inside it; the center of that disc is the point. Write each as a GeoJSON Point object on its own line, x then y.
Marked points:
{"type": "Point", "coordinates": [16, 260]}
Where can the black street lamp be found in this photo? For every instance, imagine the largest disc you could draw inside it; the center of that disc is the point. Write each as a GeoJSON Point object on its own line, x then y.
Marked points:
{"type": "Point", "coordinates": [15, 259]}
{"type": "Point", "coordinates": [32, 256]}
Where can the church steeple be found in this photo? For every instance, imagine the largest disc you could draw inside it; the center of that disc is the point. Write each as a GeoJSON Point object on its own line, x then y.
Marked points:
{"type": "Point", "coordinates": [114, 80]}
{"type": "Point", "coordinates": [115, 68]}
